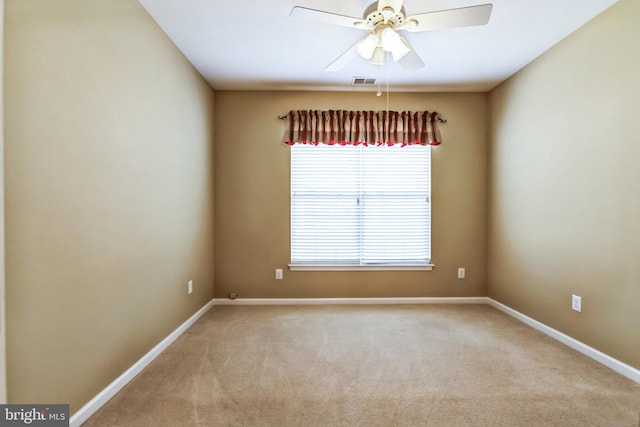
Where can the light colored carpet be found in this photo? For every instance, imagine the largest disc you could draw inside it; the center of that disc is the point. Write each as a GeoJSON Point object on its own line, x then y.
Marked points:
{"type": "Point", "coordinates": [409, 365]}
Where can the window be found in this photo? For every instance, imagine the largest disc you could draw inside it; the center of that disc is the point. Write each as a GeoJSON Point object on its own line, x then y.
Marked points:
{"type": "Point", "coordinates": [358, 207]}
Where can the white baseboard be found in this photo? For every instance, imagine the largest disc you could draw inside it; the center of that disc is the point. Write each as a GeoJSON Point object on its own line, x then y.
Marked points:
{"type": "Point", "coordinates": [608, 361]}
{"type": "Point", "coordinates": [350, 301]}
{"type": "Point", "coordinates": [103, 397]}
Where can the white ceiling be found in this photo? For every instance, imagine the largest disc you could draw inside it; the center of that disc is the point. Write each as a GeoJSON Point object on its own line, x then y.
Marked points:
{"type": "Point", "coordinates": [255, 45]}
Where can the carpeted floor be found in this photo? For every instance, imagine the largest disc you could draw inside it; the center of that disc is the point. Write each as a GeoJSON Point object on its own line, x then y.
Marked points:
{"type": "Point", "coordinates": [409, 365]}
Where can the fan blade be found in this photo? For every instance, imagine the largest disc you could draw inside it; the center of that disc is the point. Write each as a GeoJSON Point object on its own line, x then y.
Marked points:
{"type": "Point", "coordinates": [395, 5]}
{"type": "Point", "coordinates": [411, 61]}
{"type": "Point", "coordinates": [451, 18]}
{"type": "Point", "coordinates": [326, 17]}
{"type": "Point", "coordinates": [344, 59]}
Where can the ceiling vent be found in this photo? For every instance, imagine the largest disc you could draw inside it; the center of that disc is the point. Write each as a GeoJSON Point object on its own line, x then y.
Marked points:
{"type": "Point", "coordinates": [359, 81]}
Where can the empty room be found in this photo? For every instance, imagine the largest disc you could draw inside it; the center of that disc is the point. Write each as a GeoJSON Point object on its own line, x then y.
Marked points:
{"type": "Point", "coordinates": [320, 213]}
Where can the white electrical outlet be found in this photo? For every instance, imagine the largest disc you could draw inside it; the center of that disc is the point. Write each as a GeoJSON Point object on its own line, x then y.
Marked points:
{"type": "Point", "coordinates": [278, 274]}
{"type": "Point", "coordinates": [576, 303]}
{"type": "Point", "coordinates": [190, 287]}
{"type": "Point", "coordinates": [461, 273]}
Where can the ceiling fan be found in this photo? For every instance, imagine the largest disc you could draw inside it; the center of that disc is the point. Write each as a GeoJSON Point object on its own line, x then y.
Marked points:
{"type": "Point", "coordinates": [383, 19]}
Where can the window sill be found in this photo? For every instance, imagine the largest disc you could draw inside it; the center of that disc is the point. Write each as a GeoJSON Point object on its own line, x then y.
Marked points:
{"type": "Point", "coordinates": [337, 267]}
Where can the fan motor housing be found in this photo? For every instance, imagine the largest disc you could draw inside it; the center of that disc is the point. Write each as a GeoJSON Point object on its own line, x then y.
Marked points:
{"type": "Point", "coordinates": [373, 19]}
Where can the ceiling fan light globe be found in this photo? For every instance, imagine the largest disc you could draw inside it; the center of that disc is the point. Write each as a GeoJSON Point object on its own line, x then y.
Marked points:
{"type": "Point", "coordinates": [367, 46]}
{"type": "Point", "coordinates": [399, 50]}
{"type": "Point", "coordinates": [379, 56]}
{"type": "Point", "coordinates": [389, 39]}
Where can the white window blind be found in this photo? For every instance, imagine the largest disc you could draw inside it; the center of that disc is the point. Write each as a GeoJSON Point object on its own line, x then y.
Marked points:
{"type": "Point", "coordinates": [360, 206]}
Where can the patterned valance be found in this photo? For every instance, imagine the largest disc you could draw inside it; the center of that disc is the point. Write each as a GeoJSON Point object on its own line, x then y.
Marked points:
{"type": "Point", "coordinates": [342, 127]}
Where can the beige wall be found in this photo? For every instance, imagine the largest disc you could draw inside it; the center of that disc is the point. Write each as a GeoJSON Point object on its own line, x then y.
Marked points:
{"type": "Point", "coordinates": [565, 186]}
{"type": "Point", "coordinates": [252, 198]}
{"type": "Point", "coordinates": [109, 193]}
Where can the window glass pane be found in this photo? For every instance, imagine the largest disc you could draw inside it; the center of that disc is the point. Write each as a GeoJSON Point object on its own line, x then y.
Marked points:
{"type": "Point", "coordinates": [325, 229]}
{"type": "Point", "coordinates": [395, 229]}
